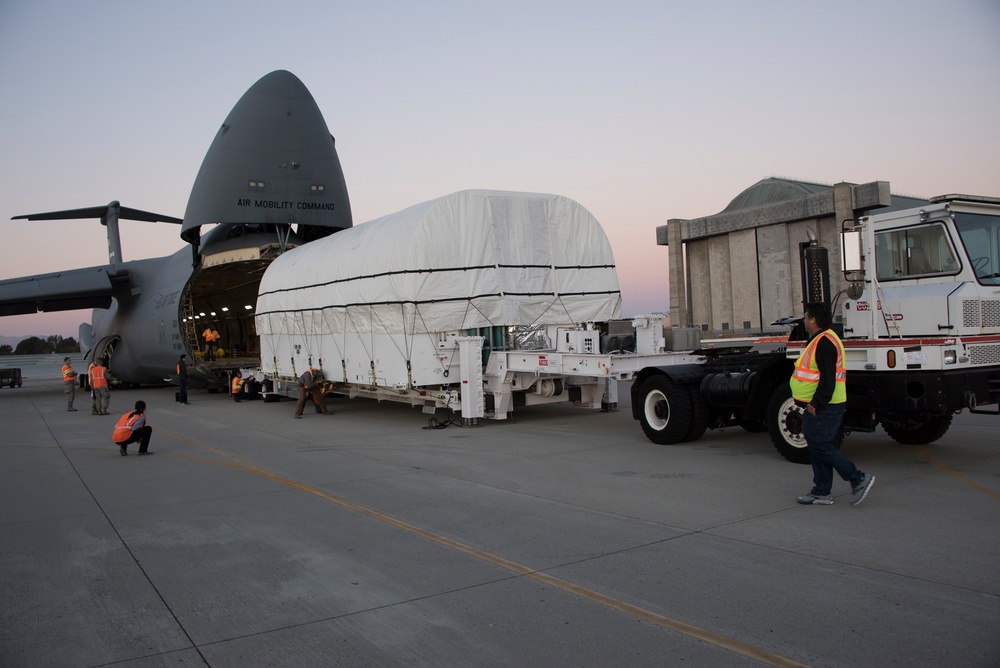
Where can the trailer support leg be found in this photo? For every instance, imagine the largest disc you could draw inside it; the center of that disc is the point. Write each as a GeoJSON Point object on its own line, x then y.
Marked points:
{"type": "Point", "coordinates": [470, 356]}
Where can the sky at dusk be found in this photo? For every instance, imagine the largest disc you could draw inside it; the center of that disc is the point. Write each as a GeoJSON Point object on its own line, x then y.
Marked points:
{"type": "Point", "coordinates": [639, 111]}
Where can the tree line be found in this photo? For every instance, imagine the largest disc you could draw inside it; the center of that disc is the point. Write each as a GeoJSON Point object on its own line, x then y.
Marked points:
{"type": "Point", "coordinates": [35, 345]}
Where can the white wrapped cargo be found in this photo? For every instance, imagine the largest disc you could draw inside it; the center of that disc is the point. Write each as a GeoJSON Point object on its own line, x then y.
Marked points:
{"type": "Point", "coordinates": [375, 302]}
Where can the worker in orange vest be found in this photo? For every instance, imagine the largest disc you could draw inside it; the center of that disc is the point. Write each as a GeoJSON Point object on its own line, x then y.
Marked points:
{"type": "Point", "coordinates": [99, 383]}
{"type": "Point", "coordinates": [90, 386]}
{"type": "Point", "coordinates": [132, 428]}
{"type": "Point", "coordinates": [212, 337]}
{"type": "Point", "coordinates": [237, 387]}
{"type": "Point", "coordinates": [69, 384]}
{"type": "Point", "coordinates": [311, 385]}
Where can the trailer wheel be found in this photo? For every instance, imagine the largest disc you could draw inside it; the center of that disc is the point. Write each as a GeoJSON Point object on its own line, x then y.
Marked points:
{"type": "Point", "coordinates": [267, 392]}
{"type": "Point", "coordinates": [918, 434]}
{"type": "Point", "coordinates": [666, 410]}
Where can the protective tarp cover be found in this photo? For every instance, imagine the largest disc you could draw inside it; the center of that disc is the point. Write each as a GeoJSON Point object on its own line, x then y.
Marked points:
{"type": "Point", "coordinates": [475, 258]}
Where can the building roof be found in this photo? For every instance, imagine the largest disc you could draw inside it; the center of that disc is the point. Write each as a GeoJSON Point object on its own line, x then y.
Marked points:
{"type": "Point", "coordinates": [773, 190]}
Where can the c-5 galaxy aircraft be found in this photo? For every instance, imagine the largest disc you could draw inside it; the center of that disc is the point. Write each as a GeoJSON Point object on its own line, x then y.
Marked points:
{"type": "Point", "coordinates": [270, 181]}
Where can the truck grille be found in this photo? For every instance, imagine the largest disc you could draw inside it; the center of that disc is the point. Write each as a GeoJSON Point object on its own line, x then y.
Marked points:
{"type": "Point", "coordinates": [985, 354]}
{"type": "Point", "coordinates": [984, 313]}
{"type": "Point", "coordinates": [991, 313]}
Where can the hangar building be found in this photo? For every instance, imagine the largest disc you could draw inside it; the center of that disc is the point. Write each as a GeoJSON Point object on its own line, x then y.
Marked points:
{"type": "Point", "coordinates": [736, 272]}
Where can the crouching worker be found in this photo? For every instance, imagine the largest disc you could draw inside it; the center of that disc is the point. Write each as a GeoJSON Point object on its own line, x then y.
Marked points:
{"type": "Point", "coordinates": [132, 428]}
{"type": "Point", "coordinates": [237, 386]}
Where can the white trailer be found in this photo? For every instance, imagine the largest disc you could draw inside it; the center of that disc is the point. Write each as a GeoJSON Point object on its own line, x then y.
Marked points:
{"type": "Point", "coordinates": [479, 302]}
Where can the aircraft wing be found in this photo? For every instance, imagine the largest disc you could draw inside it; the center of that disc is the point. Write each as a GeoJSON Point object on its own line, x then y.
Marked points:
{"type": "Point", "coordinates": [102, 212]}
{"type": "Point", "coordinates": [91, 287]}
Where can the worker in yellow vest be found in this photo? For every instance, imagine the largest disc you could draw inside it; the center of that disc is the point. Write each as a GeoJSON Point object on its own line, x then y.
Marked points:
{"type": "Point", "coordinates": [69, 383]}
{"type": "Point", "coordinates": [819, 385]}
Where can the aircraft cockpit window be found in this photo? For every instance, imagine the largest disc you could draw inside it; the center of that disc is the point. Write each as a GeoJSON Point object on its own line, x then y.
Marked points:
{"type": "Point", "coordinates": [981, 237]}
{"type": "Point", "coordinates": [914, 252]}
{"type": "Point", "coordinates": [236, 231]}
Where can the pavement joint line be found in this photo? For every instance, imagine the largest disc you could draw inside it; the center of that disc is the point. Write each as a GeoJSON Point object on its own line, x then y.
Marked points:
{"type": "Point", "coordinates": [719, 640]}
{"type": "Point", "coordinates": [122, 541]}
{"type": "Point", "coordinates": [944, 468]}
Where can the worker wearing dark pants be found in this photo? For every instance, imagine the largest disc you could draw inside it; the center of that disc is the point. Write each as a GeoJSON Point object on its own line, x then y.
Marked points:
{"type": "Point", "coordinates": [310, 385]}
{"type": "Point", "coordinates": [182, 380]}
{"type": "Point", "coordinates": [819, 386]}
{"type": "Point", "coordinates": [132, 428]}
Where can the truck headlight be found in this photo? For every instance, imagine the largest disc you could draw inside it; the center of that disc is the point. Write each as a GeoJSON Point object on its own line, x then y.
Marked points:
{"type": "Point", "coordinates": [950, 357]}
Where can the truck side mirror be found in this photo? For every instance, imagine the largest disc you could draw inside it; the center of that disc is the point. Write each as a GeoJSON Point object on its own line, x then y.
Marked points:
{"type": "Point", "coordinates": [852, 257]}
{"type": "Point", "coordinates": [851, 253]}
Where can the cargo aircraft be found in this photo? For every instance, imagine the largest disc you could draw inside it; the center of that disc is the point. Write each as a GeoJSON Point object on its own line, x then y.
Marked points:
{"type": "Point", "coordinates": [271, 180]}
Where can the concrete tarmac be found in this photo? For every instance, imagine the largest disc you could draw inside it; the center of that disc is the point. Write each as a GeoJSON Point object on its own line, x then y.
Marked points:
{"type": "Point", "coordinates": [563, 538]}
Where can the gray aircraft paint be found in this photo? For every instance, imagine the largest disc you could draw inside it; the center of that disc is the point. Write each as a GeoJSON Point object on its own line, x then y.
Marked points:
{"type": "Point", "coordinates": [271, 180]}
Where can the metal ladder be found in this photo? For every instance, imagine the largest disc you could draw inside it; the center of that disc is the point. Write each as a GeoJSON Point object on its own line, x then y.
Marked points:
{"type": "Point", "coordinates": [191, 340]}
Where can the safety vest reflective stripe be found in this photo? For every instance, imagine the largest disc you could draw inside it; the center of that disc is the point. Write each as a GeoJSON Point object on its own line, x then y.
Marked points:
{"type": "Point", "coordinates": [123, 430]}
{"type": "Point", "coordinates": [68, 372]}
{"type": "Point", "coordinates": [97, 377]}
{"type": "Point", "coordinates": [237, 385]}
{"type": "Point", "coordinates": [805, 378]}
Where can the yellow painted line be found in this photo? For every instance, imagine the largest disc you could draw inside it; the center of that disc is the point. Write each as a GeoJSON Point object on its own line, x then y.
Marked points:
{"type": "Point", "coordinates": [717, 639]}
{"type": "Point", "coordinates": [941, 466]}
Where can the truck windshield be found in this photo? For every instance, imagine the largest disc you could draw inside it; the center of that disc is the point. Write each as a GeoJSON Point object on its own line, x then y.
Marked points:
{"type": "Point", "coordinates": [981, 237]}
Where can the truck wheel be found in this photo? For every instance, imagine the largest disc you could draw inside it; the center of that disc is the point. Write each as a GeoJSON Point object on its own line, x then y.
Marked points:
{"type": "Point", "coordinates": [784, 422]}
{"type": "Point", "coordinates": [701, 413]}
{"type": "Point", "coordinates": [666, 410]}
{"type": "Point", "coordinates": [918, 434]}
